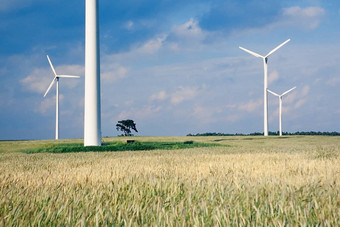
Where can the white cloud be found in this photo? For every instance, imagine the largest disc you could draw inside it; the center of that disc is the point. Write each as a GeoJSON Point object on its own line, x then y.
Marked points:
{"type": "Point", "coordinates": [291, 97]}
{"type": "Point", "coordinates": [179, 37]}
{"type": "Point", "coordinates": [139, 114]}
{"type": "Point", "coordinates": [306, 18]}
{"type": "Point", "coordinates": [113, 72]}
{"type": "Point", "coordinates": [251, 105]}
{"type": "Point", "coordinates": [309, 12]}
{"type": "Point", "coordinates": [273, 76]}
{"type": "Point", "coordinates": [39, 80]}
{"type": "Point", "coordinates": [300, 103]}
{"type": "Point", "coordinates": [186, 36]}
{"type": "Point", "coordinates": [183, 94]}
{"type": "Point", "coordinates": [333, 81]}
{"type": "Point", "coordinates": [305, 90]}
{"type": "Point", "coordinates": [129, 25]}
{"type": "Point", "coordinates": [189, 30]}
{"type": "Point", "coordinates": [138, 51]}
{"type": "Point", "coordinates": [299, 97]}
{"type": "Point", "coordinates": [153, 45]}
{"type": "Point", "coordinates": [48, 104]}
{"type": "Point", "coordinates": [125, 114]}
{"type": "Point", "coordinates": [129, 102]}
{"type": "Point", "coordinates": [233, 118]}
{"type": "Point", "coordinates": [70, 70]}
{"type": "Point", "coordinates": [206, 115]}
{"type": "Point", "coordinates": [161, 96]}
{"type": "Point", "coordinates": [231, 106]}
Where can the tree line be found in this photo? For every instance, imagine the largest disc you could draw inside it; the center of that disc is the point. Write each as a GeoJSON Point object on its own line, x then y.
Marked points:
{"type": "Point", "coordinates": [311, 133]}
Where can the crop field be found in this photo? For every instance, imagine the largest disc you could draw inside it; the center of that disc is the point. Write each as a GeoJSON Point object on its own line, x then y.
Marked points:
{"type": "Point", "coordinates": [245, 181]}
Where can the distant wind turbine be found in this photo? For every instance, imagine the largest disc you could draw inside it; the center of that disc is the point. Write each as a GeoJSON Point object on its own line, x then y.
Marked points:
{"type": "Point", "coordinates": [280, 108]}
{"type": "Point", "coordinates": [265, 61]}
{"type": "Point", "coordinates": [56, 79]}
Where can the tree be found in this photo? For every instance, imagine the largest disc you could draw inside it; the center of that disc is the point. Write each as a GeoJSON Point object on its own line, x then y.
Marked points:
{"type": "Point", "coordinates": [126, 126]}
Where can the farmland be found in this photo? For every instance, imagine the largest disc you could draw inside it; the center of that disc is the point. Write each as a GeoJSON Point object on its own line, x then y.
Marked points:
{"type": "Point", "coordinates": [245, 181]}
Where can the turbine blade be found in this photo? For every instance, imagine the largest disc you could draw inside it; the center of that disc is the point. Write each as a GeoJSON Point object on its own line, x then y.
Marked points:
{"type": "Point", "coordinates": [288, 91]}
{"type": "Point", "coordinates": [68, 76]}
{"type": "Point", "coordinates": [273, 93]}
{"type": "Point", "coordinates": [48, 58]}
{"type": "Point", "coordinates": [49, 87]}
{"type": "Point", "coordinates": [278, 47]}
{"type": "Point", "coordinates": [251, 52]}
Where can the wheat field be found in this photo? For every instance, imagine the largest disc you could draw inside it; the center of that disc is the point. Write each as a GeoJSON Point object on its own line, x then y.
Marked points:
{"type": "Point", "coordinates": [254, 181]}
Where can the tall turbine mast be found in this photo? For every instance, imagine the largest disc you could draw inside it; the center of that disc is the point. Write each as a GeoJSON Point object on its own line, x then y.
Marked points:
{"type": "Point", "coordinates": [280, 106]}
{"type": "Point", "coordinates": [92, 118]}
{"type": "Point", "coordinates": [265, 87]}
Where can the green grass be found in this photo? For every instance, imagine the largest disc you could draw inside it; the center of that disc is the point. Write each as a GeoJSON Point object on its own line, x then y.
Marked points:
{"type": "Point", "coordinates": [246, 181]}
{"type": "Point", "coordinates": [117, 146]}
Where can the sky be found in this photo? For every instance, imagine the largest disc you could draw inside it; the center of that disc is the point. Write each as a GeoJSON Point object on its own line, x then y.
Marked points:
{"type": "Point", "coordinates": [172, 66]}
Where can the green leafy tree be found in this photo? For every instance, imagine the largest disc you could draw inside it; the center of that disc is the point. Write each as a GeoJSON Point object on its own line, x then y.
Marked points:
{"type": "Point", "coordinates": [126, 126]}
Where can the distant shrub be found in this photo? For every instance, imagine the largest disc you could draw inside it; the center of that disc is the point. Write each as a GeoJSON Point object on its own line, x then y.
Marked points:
{"type": "Point", "coordinates": [311, 133]}
{"type": "Point", "coordinates": [189, 142]}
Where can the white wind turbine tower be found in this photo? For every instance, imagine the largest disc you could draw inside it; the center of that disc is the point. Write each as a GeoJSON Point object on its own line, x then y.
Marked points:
{"type": "Point", "coordinates": [56, 80]}
{"type": "Point", "coordinates": [265, 65]}
{"type": "Point", "coordinates": [280, 108]}
{"type": "Point", "coordinates": [92, 118]}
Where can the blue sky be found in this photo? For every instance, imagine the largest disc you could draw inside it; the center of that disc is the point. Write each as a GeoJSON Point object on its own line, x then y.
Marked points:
{"type": "Point", "coordinates": [174, 67]}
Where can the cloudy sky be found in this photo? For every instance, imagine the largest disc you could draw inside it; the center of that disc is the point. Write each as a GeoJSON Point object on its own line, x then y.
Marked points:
{"type": "Point", "coordinates": [172, 66]}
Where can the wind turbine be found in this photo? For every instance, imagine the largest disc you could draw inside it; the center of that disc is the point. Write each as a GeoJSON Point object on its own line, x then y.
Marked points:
{"type": "Point", "coordinates": [92, 118]}
{"type": "Point", "coordinates": [56, 80]}
{"type": "Point", "coordinates": [280, 108]}
{"type": "Point", "coordinates": [265, 66]}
